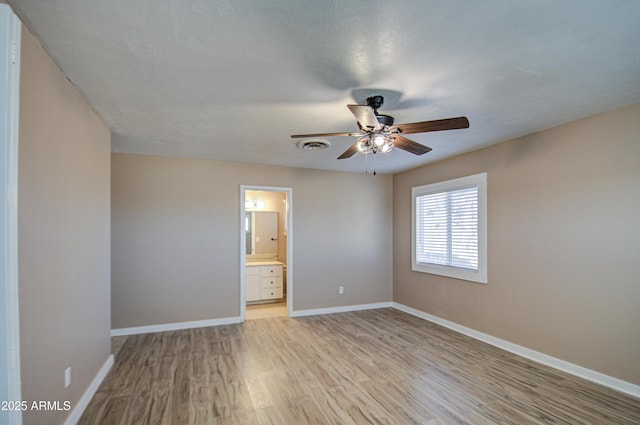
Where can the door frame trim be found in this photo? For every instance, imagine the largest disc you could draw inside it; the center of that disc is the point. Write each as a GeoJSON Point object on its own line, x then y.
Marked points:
{"type": "Point", "coordinates": [9, 139]}
{"type": "Point", "coordinates": [243, 261]}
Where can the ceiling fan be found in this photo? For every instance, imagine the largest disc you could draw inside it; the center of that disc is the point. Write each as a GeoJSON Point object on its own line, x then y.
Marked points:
{"type": "Point", "coordinates": [378, 134]}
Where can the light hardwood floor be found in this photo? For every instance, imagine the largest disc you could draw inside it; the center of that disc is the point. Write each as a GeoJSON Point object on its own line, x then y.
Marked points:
{"type": "Point", "coordinates": [262, 311]}
{"type": "Point", "coordinates": [369, 367]}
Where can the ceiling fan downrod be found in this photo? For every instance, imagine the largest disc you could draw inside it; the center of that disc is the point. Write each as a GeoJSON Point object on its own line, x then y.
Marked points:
{"type": "Point", "coordinates": [375, 102]}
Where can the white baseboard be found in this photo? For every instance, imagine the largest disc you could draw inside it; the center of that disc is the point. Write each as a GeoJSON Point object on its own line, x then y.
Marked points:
{"type": "Point", "coordinates": [536, 356]}
{"type": "Point", "coordinates": [340, 309]}
{"type": "Point", "coordinates": [232, 320]}
{"type": "Point", "coordinates": [175, 326]}
{"type": "Point", "coordinates": [82, 404]}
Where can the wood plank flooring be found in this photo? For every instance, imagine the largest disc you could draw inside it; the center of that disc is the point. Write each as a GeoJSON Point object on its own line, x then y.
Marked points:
{"type": "Point", "coordinates": [262, 311]}
{"type": "Point", "coordinates": [369, 367]}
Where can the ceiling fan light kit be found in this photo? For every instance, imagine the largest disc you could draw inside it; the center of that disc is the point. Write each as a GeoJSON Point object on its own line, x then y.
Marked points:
{"type": "Point", "coordinates": [378, 134]}
{"type": "Point", "coordinates": [375, 143]}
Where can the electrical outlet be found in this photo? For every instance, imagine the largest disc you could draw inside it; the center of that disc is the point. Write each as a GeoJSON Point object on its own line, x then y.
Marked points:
{"type": "Point", "coordinates": [67, 377]}
{"type": "Point", "coordinates": [341, 290]}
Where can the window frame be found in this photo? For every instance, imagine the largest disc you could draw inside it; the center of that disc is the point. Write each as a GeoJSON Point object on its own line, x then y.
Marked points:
{"type": "Point", "coordinates": [475, 180]}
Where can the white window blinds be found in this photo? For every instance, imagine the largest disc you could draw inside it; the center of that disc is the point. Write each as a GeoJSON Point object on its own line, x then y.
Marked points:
{"type": "Point", "coordinates": [447, 228]}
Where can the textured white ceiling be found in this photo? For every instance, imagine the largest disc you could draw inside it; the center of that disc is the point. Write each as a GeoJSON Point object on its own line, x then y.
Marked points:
{"type": "Point", "coordinates": [232, 79]}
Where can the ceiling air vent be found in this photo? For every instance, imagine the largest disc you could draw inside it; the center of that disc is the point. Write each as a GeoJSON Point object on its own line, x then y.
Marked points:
{"type": "Point", "coordinates": [313, 144]}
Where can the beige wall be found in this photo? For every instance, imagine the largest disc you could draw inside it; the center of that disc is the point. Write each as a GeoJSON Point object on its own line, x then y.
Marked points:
{"type": "Point", "coordinates": [64, 234]}
{"type": "Point", "coordinates": [563, 238]}
{"type": "Point", "coordinates": [176, 237]}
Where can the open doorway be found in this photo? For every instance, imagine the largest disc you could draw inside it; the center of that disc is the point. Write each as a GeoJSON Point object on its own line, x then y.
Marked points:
{"type": "Point", "coordinates": [266, 252]}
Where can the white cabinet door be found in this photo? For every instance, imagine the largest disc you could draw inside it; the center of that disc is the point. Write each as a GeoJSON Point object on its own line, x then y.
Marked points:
{"type": "Point", "coordinates": [252, 288]}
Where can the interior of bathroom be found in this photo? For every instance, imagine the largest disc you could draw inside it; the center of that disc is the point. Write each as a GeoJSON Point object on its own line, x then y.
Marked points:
{"type": "Point", "coordinates": [265, 227]}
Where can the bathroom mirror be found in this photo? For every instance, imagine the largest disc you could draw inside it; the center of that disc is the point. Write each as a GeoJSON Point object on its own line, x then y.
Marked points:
{"type": "Point", "coordinates": [261, 229]}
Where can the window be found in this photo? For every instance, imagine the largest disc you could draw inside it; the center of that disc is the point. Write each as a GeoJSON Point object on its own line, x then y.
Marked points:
{"type": "Point", "coordinates": [449, 234]}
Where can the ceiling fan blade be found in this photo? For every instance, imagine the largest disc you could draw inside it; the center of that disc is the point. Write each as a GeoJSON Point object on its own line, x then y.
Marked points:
{"type": "Point", "coordinates": [299, 136]}
{"type": "Point", "coordinates": [409, 145]}
{"type": "Point", "coordinates": [435, 125]}
{"type": "Point", "coordinates": [349, 152]}
{"type": "Point", "coordinates": [365, 116]}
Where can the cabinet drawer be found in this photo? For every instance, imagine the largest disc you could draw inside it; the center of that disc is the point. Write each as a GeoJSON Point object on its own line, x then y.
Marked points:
{"type": "Point", "coordinates": [273, 293]}
{"type": "Point", "coordinates": [271, 271]}
{"type": "Point", "coordinates": [271, 282]}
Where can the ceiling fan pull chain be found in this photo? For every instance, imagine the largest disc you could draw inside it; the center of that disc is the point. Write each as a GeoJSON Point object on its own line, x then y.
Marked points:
{"type": "Point", "coordinates": [374, 164]}
{"type": "Point", "coordinates": [366, 161]}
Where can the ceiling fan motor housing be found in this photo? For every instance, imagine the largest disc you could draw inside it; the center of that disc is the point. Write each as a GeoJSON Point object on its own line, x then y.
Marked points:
{"type": "Point", "coordinates": [385, 120]}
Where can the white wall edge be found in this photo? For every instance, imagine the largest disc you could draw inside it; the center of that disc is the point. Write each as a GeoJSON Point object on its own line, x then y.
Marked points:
{"type": "Point", "coordinates": [340, 309]}
{"type": "Point", "coordinates": [536, 356]}
{"type": "Point", "coordinates": [84, 401]}
{"type": "Point", "coordinates": [175, 326]}
{"type": "Point", "coordinates": [10, 116]}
